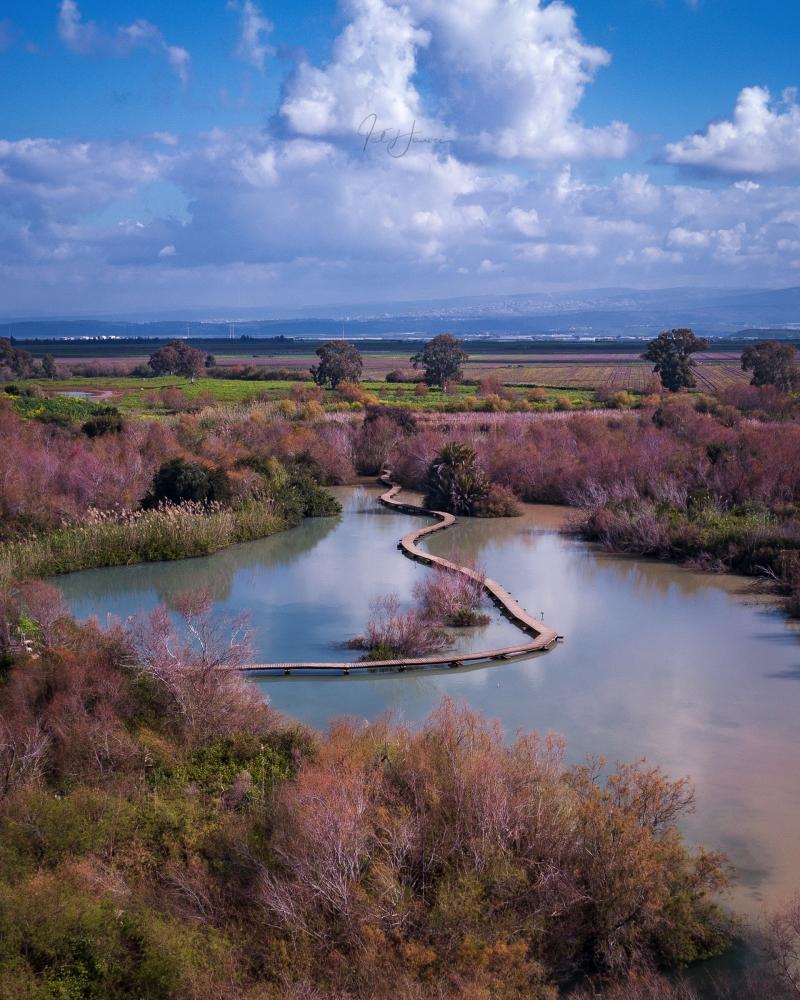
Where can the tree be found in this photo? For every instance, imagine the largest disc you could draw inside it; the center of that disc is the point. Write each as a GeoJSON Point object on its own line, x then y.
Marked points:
{"type": "Point", "coordinates": [671, 353]}
{"type": "Point", "coordinates": [177, 358]}
{"type": "Point", "coordinates": [455, 482]}
{"type": "Point", "coordinates": [442, 359]}
{"type": "Point", "coordinates": [772, 364]}
{"type": "Point", "coordinates": [107, 420]}
{"type": "Point", "coordinates": [49, 369]}
{"type": "Point", "coordinates": [20, 362]}
{"type": "Point", "coordinates": [339, 361]}
{"type": "Point", "coordinates": [177, 481]}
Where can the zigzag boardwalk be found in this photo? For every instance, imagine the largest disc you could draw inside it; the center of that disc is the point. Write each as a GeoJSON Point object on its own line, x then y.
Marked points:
{"type": "Point", "coordinates": [544, 636]}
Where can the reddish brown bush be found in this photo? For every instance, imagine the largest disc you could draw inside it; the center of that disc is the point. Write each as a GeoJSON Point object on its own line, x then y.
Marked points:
{"type": "Point", "coordinates": [450, 598]}
{"type": "Point", "coordinates": [196, 668]}
{"type": "Point", "coordinates": [392, 633]}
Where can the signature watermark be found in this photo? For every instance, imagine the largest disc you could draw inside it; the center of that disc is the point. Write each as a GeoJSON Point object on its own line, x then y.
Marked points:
{"type": "Point", "coordinates": [396, 140]}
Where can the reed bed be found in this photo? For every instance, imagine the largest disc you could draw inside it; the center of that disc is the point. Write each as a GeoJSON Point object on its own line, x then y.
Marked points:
{"type": "Point", "coordinates": [121, 538]}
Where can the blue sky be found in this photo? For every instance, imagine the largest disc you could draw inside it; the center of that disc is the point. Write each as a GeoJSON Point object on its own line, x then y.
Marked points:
{"type": "Point", "coordinates": [207, 155]}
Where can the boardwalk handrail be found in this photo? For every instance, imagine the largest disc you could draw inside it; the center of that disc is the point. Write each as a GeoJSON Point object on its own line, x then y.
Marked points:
{"type": "Point", "coordinates": [544, 636]}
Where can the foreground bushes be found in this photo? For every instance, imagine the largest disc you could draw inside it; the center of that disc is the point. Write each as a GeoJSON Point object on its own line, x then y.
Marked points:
{"type": "Point", "coordinates": [501, 865]}
{"type": "Point", "coordinates": [165, 834]}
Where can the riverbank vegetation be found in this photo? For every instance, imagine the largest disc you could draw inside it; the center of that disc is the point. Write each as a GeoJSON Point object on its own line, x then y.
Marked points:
{"type": "Point", "coordinates": [166, 834]}
{"type": "Point", "coordinates": [691, 479]}
{"type": "Point", "coordinates": [170, 531]}
{"type": "Point", "coordinates": [71, 500]}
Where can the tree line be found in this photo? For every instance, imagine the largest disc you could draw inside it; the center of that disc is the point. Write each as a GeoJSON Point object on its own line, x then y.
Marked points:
{"type": "Point", "coordinates": [671, 352]}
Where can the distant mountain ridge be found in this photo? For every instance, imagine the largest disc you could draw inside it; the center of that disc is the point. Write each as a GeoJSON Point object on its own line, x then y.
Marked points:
{"type": "Point", "coordinates": [616, 312]}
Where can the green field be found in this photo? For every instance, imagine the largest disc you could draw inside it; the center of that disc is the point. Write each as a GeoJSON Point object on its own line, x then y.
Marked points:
{"type": "Point", "coordinates": [148, 397]}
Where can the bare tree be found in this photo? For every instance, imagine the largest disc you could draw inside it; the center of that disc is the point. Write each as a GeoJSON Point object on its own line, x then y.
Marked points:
{"type": "Point", "coordinates": [199, 669]}
{"type": "Point", "coordinates": [23, 752]}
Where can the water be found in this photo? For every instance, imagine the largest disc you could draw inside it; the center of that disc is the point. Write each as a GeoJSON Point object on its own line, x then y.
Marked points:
{"type": "Point", "coordinates": [686, 669]}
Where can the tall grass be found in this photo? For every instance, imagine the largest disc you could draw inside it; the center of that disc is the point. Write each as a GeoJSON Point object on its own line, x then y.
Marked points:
{"type": "Point", "coordinates": [168, 532]}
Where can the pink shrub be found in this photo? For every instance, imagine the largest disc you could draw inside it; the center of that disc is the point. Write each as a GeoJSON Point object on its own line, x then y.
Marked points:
{"type": "Point", "coordinates": [196, 668]}
{"type": "Point", "coordinates": [392, 633]}
{"type": "Point", "coordinates": [446, 597]}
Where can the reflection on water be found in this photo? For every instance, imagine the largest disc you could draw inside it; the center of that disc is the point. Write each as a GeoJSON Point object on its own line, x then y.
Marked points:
{"type": "Point", "coordinates": [686, 669]}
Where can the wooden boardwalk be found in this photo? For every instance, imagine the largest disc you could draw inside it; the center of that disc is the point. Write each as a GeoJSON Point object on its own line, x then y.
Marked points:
{"type": "Point", "coordinates": [543, 637]}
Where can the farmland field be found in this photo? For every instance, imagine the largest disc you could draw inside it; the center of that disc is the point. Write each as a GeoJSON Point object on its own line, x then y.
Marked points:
{"type": "Point", "coordinates": [713, 372]}
{"type": "Point", "coordinates": [574, 367]}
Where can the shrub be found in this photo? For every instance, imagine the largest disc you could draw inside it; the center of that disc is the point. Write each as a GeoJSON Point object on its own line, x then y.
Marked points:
{"type": "Point", "coordinates": [173, 399]}
{"type": "Point", "coordinates": [302, 497]}
{"type": "Point", "coordinates": [495, 404]}
{"type": "Point", "coordinates": [623, 400]}
{"type": "Point", "coordinates": [479, 816]}
{"type": "Point", "coordinates": [107, 421]}
{"type": "Point", "coordinates": [491, 385]}
{"type": "Point", "coordinates": [498, 502]}
{"type": "Point", "coordinates": [352, 392]}
{"type": "Point", "coordinates": [455, 482]}
{"type": "Point", "coordinates": [304, 393]}
{"type": "Point", "coordinates": [177, 481]}
{"type": "Point", "coordinates": [447, 597]}
{"type": "Point", "coordinates": [392, 633]}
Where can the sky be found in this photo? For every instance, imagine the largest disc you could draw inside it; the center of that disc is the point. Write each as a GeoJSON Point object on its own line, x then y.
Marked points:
{"type": "Point", "coordinates": [216, 157]}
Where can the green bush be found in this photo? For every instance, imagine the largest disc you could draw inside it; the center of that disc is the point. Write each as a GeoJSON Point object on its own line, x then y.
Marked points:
{"type": "Point", "coordinates": [178, 481]}
{"type": "Point", "coordinates": [106, 421]}
{"type": "Point", "coordinates": [215, 768]}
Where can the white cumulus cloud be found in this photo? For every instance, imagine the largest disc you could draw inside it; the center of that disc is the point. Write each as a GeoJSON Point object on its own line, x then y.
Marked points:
{"type": "Point", "coordinates": [370, 73]}
{"type": "Point", "coordinates": [761, 139]}
{"type": "Point", "coordinates": [503, 79]}
{"type": "Point", "coordinates": [513, 74]}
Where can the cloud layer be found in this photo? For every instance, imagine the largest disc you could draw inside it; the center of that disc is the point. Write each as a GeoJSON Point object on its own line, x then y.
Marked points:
{"type": "Point", "coordinates": [523, 194]}
{"type": "Point", "coordinates": [271, 221]}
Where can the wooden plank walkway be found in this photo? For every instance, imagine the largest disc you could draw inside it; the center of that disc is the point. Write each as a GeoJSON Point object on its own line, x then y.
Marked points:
{"type": "Point", "coordinates": [544, 637]}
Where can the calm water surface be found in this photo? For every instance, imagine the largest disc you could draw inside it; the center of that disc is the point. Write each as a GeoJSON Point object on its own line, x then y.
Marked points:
{"type": "Point", "coordinates": [686, 669]}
